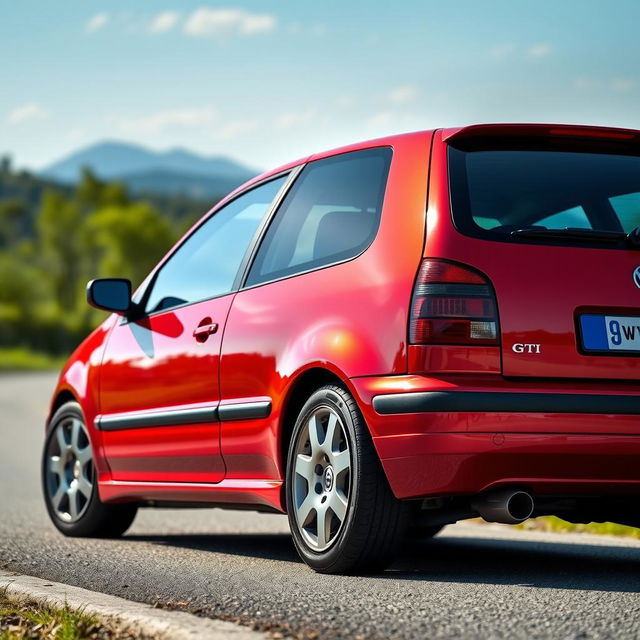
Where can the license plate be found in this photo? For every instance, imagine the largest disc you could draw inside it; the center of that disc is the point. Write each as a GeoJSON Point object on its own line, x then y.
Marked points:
{"type": "Point", "coordinates": [610, 333]}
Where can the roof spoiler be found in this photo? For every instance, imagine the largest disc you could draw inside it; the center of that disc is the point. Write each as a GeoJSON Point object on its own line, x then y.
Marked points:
{"type": "Point", "coordinates": [542, 130]}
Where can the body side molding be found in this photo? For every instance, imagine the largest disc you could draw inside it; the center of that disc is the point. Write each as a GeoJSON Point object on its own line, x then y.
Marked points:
{"type": "Point", "coordinates": [244, 410]}
{"type": "Point", "coordinates": [195, 415]}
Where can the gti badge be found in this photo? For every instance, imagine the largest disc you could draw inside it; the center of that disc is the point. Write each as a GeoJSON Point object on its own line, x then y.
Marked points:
{"type": "Point", "coordinates": [636, 277]}
{"type": "Point", "coordinates": [522, 347]}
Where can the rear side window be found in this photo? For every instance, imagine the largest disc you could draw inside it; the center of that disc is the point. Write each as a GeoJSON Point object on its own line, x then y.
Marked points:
{"type": "Point", "coordinates": [496, 192]}
{"type": "Point", "coordinates": [330, 214]}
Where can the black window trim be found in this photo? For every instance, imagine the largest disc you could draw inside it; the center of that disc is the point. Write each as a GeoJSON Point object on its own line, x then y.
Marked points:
{"type": "Point", "coordinates": [290, 174]}
{"type": "Point", "coordinates": [272, 214]}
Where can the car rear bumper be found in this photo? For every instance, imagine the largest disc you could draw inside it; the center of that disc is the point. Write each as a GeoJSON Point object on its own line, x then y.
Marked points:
{"type": "Point", "coordinates": [463, 435]}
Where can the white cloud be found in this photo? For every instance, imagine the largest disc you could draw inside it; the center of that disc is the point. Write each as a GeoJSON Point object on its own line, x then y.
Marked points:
{"type": "Point", "coordinates": [27, 111]}
{"type": "Point", "coordinates": [619, 84]}
{"type": "Point", "coordinates": [403, 94]}
{"type": "Point", "coordinates": [502, 50]}
{"type": "Point", "coordinates": [161, 120]}
{"type": "Point", "coordinates": [380, 119]}
{"type": "Point", "coordinates": [584, 82]}
{"type": "Point", "coordinates": [97, 22]}
{"type": "Point", "coordinates": [623, 85]}
{"type": "Point", "coordinates": [224, 22]}
{"type": "Point", "coordinates": [164, 21]}
{"type": "Point", "coordinates": [540, 50]}
{"type": "Point", "coordinates": [295, 118]}
{"type": "Point", "coordinates": [345, 101]}
{"type": "Point", "coordinates": [237, 128]}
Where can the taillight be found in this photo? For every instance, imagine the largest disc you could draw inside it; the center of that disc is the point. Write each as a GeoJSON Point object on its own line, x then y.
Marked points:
{"type": "Point", "coordinates": [453, 304]}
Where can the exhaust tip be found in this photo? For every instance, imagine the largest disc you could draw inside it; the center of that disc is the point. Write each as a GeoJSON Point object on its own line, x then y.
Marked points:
{"type": "Point", "coordinates": [507, 506]}
{"type": "Point", "coordinates": [520, 505]}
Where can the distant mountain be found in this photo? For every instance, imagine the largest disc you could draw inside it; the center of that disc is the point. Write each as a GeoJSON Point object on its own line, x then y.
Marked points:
{"type": "Point", "coordinates": [177, 183]}
{"type": "Point", "coordinates": [173, 172]}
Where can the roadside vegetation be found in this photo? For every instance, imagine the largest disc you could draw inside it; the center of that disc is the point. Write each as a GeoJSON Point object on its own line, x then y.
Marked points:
{"type": "Point", "coordinates": [22, 619]}
{"type": "Point", "coordinates": [54, 238]}
{"type": "Point", "coordinates": [24, 359]}
{"type": "Point", "coordinates": [556, 525]}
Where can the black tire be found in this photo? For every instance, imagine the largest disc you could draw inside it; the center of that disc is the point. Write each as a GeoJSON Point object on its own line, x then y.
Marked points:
{"type": "Point", "coordinates": [97, 519]}
{"type": "Point", "coordinates": [375, 522]}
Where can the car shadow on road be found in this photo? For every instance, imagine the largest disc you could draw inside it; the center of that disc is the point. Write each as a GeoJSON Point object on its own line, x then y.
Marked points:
{"type": "Point", "coordinates": [270, 546]}
{"type": "Point", "coordinates": [535, 564]}
{"type": "Point", "coordinates": [539, 564]}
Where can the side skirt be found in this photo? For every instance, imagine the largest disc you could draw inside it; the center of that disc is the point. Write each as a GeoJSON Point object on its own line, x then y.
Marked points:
{"type": "Point", "coordinates": [232, 492]}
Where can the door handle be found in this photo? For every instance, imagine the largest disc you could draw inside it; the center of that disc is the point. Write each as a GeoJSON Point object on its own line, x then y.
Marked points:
{"type": "Point", "coordinates": [205, 329]}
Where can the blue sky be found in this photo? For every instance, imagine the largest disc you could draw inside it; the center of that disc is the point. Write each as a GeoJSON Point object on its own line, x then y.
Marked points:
{"type": "Point", "coordinates": [267, 82]}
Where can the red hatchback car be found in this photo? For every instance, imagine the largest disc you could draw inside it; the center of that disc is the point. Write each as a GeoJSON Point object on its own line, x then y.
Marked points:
{"type": "Point", "coordinates": [387, 337]}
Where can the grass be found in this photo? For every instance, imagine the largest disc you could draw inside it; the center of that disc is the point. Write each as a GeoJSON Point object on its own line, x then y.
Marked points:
{"type": "Point", "coordinates": [26, 620]}
{"type": "Point", "coordinates": [30, 620]}
{"type": "Point", "coordinates": [23, 359]}
{"type": "Point", "coordinates": [551, 523]}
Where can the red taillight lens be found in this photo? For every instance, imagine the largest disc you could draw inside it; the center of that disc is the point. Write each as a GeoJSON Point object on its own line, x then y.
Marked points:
{"type": "Point", "coordinates": [453, 304]}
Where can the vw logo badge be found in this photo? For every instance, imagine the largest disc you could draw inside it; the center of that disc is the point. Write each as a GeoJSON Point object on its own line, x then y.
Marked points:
{"type": "Point", "coordinates": [636, 277]}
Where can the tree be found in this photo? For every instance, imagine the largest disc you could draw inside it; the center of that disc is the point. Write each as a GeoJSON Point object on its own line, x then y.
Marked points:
{"type": "Point", "coordinates": [59, 234]}
{"type": "Point", "coordinates": [5, 165]}
{"type": "Point", "coordinates": [13, 214]}
{"type": "Point", "coordinates": [129, 240]}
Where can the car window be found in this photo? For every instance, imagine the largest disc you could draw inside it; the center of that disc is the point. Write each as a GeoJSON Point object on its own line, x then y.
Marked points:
{"type": "Point", "coordinates": [330, 214]}
{"type": "Point", "coordinates": [495, 191]}
{"type": "Point", "coordinates": [207, 262]}
{"type": "Point", "coordinates": [574, 217]}
{"type": "Point", "coordinates": [627, 208]}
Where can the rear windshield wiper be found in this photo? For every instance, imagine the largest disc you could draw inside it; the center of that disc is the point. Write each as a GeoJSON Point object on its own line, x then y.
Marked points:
{"type": "Point", "coordinates": [571, 233]}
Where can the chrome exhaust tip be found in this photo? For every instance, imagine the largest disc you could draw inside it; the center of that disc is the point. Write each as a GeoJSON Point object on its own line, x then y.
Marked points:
{"type": "Point", "coordinates": [507, 506]}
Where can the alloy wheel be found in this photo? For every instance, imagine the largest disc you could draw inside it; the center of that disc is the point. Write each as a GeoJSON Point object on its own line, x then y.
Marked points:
{"type": "Point", "coordinates": [69, 470]}
{"type": "Point", "coordinates": [322, 478]}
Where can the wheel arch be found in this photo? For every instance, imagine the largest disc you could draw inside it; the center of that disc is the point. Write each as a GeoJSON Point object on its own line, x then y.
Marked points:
{"type": "Point", "coordinates": [297, 394]}
{"type": "Point", "coordinates": [62, 397]}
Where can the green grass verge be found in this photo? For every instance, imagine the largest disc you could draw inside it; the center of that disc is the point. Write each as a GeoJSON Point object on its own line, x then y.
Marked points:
{"type": "Point", "coordinates": [20, 620]}
{"type": "Point", "coordinates": [23, 359]}
{"type": "Point", "coordinates": [551, 523]}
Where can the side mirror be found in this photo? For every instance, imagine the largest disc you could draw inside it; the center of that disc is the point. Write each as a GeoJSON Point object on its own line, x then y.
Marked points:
{"type": "Point", "coordinates": [110, 294]}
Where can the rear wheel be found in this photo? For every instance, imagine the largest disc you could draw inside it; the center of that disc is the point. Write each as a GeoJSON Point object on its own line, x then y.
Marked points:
{"type": "Point", "coordinates": [69, 481]}
{"type": "Point", "coordinates": [342, 514]}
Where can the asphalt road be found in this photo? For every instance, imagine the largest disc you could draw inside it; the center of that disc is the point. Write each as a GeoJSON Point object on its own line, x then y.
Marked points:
{"type": "Point", "coordinates": [471, 581]}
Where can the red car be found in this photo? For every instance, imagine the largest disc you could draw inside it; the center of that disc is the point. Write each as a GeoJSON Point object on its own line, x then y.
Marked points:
{"type": "Point", "coordinates": [379, 339]}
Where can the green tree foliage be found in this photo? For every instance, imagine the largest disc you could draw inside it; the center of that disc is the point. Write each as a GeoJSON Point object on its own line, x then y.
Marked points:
{"type": "Point", "coordinates": [13, 212]}
{"type": "Point", "coordinates": [128, 240]}
{"type": "Point", "coordinates": [48, 252]}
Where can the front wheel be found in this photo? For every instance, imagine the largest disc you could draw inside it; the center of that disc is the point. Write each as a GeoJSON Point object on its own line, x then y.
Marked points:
{"type": "Point", "coordinates": [342, 514]}
{"type": "Point", "coordinates": [69, 481]}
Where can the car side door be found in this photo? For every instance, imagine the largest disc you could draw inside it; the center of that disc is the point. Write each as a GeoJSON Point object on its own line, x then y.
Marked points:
{"type": "Point", "coordinates": [159, 388]}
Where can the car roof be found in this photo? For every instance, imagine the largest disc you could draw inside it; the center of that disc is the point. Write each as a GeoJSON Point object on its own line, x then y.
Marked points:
{"type": "Point", "coordinates": [451, 134]}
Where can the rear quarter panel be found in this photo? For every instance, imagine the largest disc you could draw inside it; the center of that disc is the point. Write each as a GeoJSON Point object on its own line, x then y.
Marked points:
{"type": "Point", "coordinates": [350, 318]}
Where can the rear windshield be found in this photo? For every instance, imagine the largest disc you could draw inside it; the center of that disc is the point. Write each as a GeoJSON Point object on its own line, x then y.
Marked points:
{"type": "Point", "coordinates": [495, 192]}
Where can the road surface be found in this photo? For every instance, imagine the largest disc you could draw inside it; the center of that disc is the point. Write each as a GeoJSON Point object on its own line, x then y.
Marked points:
{"type": "Point", "coordinates": [471, 581]}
